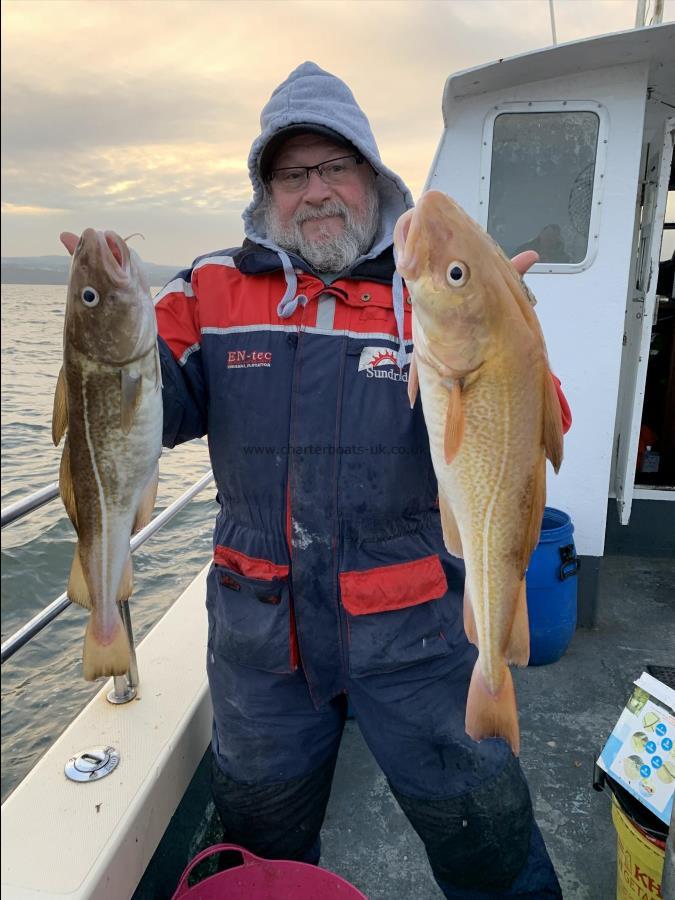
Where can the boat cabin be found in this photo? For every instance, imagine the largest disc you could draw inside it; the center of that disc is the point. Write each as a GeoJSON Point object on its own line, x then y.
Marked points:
{"type": "Point", "coordinates": [569, 151]}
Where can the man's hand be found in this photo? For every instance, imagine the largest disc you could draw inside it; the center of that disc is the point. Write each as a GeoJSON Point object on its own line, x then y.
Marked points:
{"type": "Point", "coordinates": [524, 261]}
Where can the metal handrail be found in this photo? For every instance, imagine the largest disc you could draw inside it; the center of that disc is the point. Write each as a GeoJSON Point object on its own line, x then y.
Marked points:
{"type": "Point", "coordinates": [49, 613]}
{"type": "Point", "coordinates": [22, 507]}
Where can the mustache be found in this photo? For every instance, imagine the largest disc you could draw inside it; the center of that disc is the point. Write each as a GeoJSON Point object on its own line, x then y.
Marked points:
{"type": "Point", "coordinates": [329, 208]}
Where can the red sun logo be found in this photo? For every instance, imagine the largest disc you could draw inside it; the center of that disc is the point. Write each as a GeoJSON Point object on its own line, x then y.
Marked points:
{"type": "Point", "coordinates": [384, 357]}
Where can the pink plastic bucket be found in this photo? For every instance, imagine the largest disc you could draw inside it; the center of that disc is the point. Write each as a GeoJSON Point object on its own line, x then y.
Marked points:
{"type": "Point", "coordinates": [265, 879]}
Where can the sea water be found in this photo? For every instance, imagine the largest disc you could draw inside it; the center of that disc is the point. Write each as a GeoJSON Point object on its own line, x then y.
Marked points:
{"type": "Point", "coordinates": [42, 684]}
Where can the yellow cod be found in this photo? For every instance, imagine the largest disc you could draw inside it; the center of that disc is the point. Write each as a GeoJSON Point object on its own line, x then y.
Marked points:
{"type": "Point", "coordinates": [108, 400]}
{"type": "Point", "coordinates": [493, 416]}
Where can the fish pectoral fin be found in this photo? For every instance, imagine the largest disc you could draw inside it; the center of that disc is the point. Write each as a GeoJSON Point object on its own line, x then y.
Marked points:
{"type": "Point", "coordinates": [147, 502]}
{"type": "Point", "coordinates": [454, 422]}
{"type": "Point", "coordinates": [78, 591]}
{"type": "Point", "coordinates": [469, 619]}
{"type": "Point", "coordinates": [130, 395]}
{"type": "Point", "coordinates": [109, 657]}
{"type": "Point", "coordinates": [413, 381]}
{"type": "Point", "coordinates": [451, 536]}
{"type": "Point", "coordinates": [492, 715]}
{"type": "Point", "coordinates": [60, 409]}
{"type": "Point", "coordinates": [553, 429]}
{"type": "Point", "coordinates": [517, 650]}
{"type": "Point", "coordinates": [66, 488]}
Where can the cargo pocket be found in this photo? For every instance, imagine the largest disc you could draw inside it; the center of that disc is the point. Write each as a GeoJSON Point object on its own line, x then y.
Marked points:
{"type": "Point", "coordinates": [248, 601]}
{"type": "Point", "coordinates": [394, 616]}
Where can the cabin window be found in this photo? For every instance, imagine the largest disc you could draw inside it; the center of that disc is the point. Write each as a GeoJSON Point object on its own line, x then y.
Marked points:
{"type": "Point", "coordinates": [541, 183]}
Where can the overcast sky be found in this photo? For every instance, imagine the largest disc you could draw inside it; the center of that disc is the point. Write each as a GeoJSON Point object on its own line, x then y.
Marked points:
{"type": "Point", "coordinates": [138, 115]}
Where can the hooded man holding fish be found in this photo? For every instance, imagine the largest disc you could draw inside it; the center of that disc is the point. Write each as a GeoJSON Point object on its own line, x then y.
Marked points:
{"type": "Point", "coordinates": [330, 577]}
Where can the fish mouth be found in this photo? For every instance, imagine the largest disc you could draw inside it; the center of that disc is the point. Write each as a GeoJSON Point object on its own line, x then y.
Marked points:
{"type": "Point", "coordinates": [111, 251]}
{"type": "Point", "coordinates": [420, 233]}
{"type": "Point", "coordinates": [116, 257]}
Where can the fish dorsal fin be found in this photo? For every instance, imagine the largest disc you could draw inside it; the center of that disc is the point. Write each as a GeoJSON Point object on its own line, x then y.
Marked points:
{"type": "Point", "coordinates": [60, 410]}
{"type": "Point", "coordinates": [553, 433]}
{"type": "Point", "coordinates": [66, 488]}
{"type": "Point", "coordinates": [413, 381]}
{"type": "Point", "coordinates": [130, 395]}
{"type": "Point", "coordinates": [451, 535]}
{"type": "Point", "coordinates": [147, 502]}
{"type": "Point", "coordinates": [454, 421]}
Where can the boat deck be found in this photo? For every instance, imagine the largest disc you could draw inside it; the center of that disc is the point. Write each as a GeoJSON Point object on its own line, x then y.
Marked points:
{"type": "Point", "coordinates": [567, 710]}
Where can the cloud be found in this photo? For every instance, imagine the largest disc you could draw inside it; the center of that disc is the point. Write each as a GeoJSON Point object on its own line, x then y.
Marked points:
{"type": "Point", "coordinates": [145, 110]}
{"type": "Point", "coordinates": [14, 209]}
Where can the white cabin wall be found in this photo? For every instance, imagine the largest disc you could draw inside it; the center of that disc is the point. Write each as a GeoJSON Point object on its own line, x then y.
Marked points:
{"type": "Point", "coordinates": [582, 313]}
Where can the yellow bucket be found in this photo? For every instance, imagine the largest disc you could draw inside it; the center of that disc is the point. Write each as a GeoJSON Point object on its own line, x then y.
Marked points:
{"type": "Point", "coordinates": [639, 862]}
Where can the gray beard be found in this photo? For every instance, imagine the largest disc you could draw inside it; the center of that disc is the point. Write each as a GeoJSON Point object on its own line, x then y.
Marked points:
{"type": "Point", "coordinates": [327, 253]}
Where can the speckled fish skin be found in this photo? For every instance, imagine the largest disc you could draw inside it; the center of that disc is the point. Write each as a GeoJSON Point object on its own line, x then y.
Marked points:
{"type": "Point", "coordinates": [109, 401]}
{"type": "Point", "coordinates": [492, 418]}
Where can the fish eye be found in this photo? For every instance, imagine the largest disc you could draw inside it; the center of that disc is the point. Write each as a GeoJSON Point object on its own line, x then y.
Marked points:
{"type": "Point", "coordinates": [89, 296]}
{"type": "Point", "coordinates": [457, 274]}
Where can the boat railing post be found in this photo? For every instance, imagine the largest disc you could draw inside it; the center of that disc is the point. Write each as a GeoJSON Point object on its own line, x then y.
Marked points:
{"type": "Point", "coordinates": [124, 686]}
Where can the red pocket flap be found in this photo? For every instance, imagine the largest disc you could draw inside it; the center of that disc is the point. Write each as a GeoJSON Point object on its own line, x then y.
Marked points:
{"type": "Point", "coordinates": [248, 566]}
{"type": "Point", "coordinates": [393, 587]}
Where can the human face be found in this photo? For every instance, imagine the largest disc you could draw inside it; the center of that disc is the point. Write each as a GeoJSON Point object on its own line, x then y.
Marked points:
{"type": "Point", "coordinates": [311, 150]}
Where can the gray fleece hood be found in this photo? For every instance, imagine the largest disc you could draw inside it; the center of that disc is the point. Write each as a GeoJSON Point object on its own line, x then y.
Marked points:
{"type": "Point", "coordinates": [312, 96]}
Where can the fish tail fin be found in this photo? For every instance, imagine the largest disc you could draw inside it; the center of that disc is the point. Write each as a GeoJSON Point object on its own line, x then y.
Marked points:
{"type": "Point", "coordinates": [518, 648]}
{"type": "Point", "coordinates": [78, 590]}
{"type": "Point", "coordinates": [492, 715]}
{"type": "Point", "coordinates": [109, 657]}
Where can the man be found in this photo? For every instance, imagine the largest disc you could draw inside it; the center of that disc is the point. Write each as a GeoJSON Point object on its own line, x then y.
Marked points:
{"type": "Point", "coordinates": [330, 578]}
{"type": "Point", "coordinates": [548, 245]}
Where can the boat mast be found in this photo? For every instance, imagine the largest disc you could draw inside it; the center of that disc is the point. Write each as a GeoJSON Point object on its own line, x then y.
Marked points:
{"type": "Point", "coordinates": [640, 13]}
{"type": "Point", "coordinates": [550, 6]}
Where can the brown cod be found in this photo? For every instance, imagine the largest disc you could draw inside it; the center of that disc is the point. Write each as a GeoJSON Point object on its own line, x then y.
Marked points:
{"type": "Point", "coordinates": [493, 416]}
{"type": "Point", "coordinates": [108, 400]}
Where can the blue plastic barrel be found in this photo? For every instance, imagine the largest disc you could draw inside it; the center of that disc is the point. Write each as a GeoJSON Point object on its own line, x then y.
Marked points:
{"type": "Point", "coordinates": [552, 589]}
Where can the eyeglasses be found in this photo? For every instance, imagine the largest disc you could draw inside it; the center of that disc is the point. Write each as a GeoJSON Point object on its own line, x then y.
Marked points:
{"type": "Point", "coordinates": [333, 172]}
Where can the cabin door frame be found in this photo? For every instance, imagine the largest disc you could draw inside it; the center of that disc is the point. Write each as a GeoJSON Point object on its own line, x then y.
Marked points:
{"type": "Point", "coordinates": [640, 316]}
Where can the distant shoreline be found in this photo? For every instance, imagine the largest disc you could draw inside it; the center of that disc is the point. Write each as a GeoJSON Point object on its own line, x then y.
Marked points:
{"type": "Point", "coordinates": [56, 269]}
